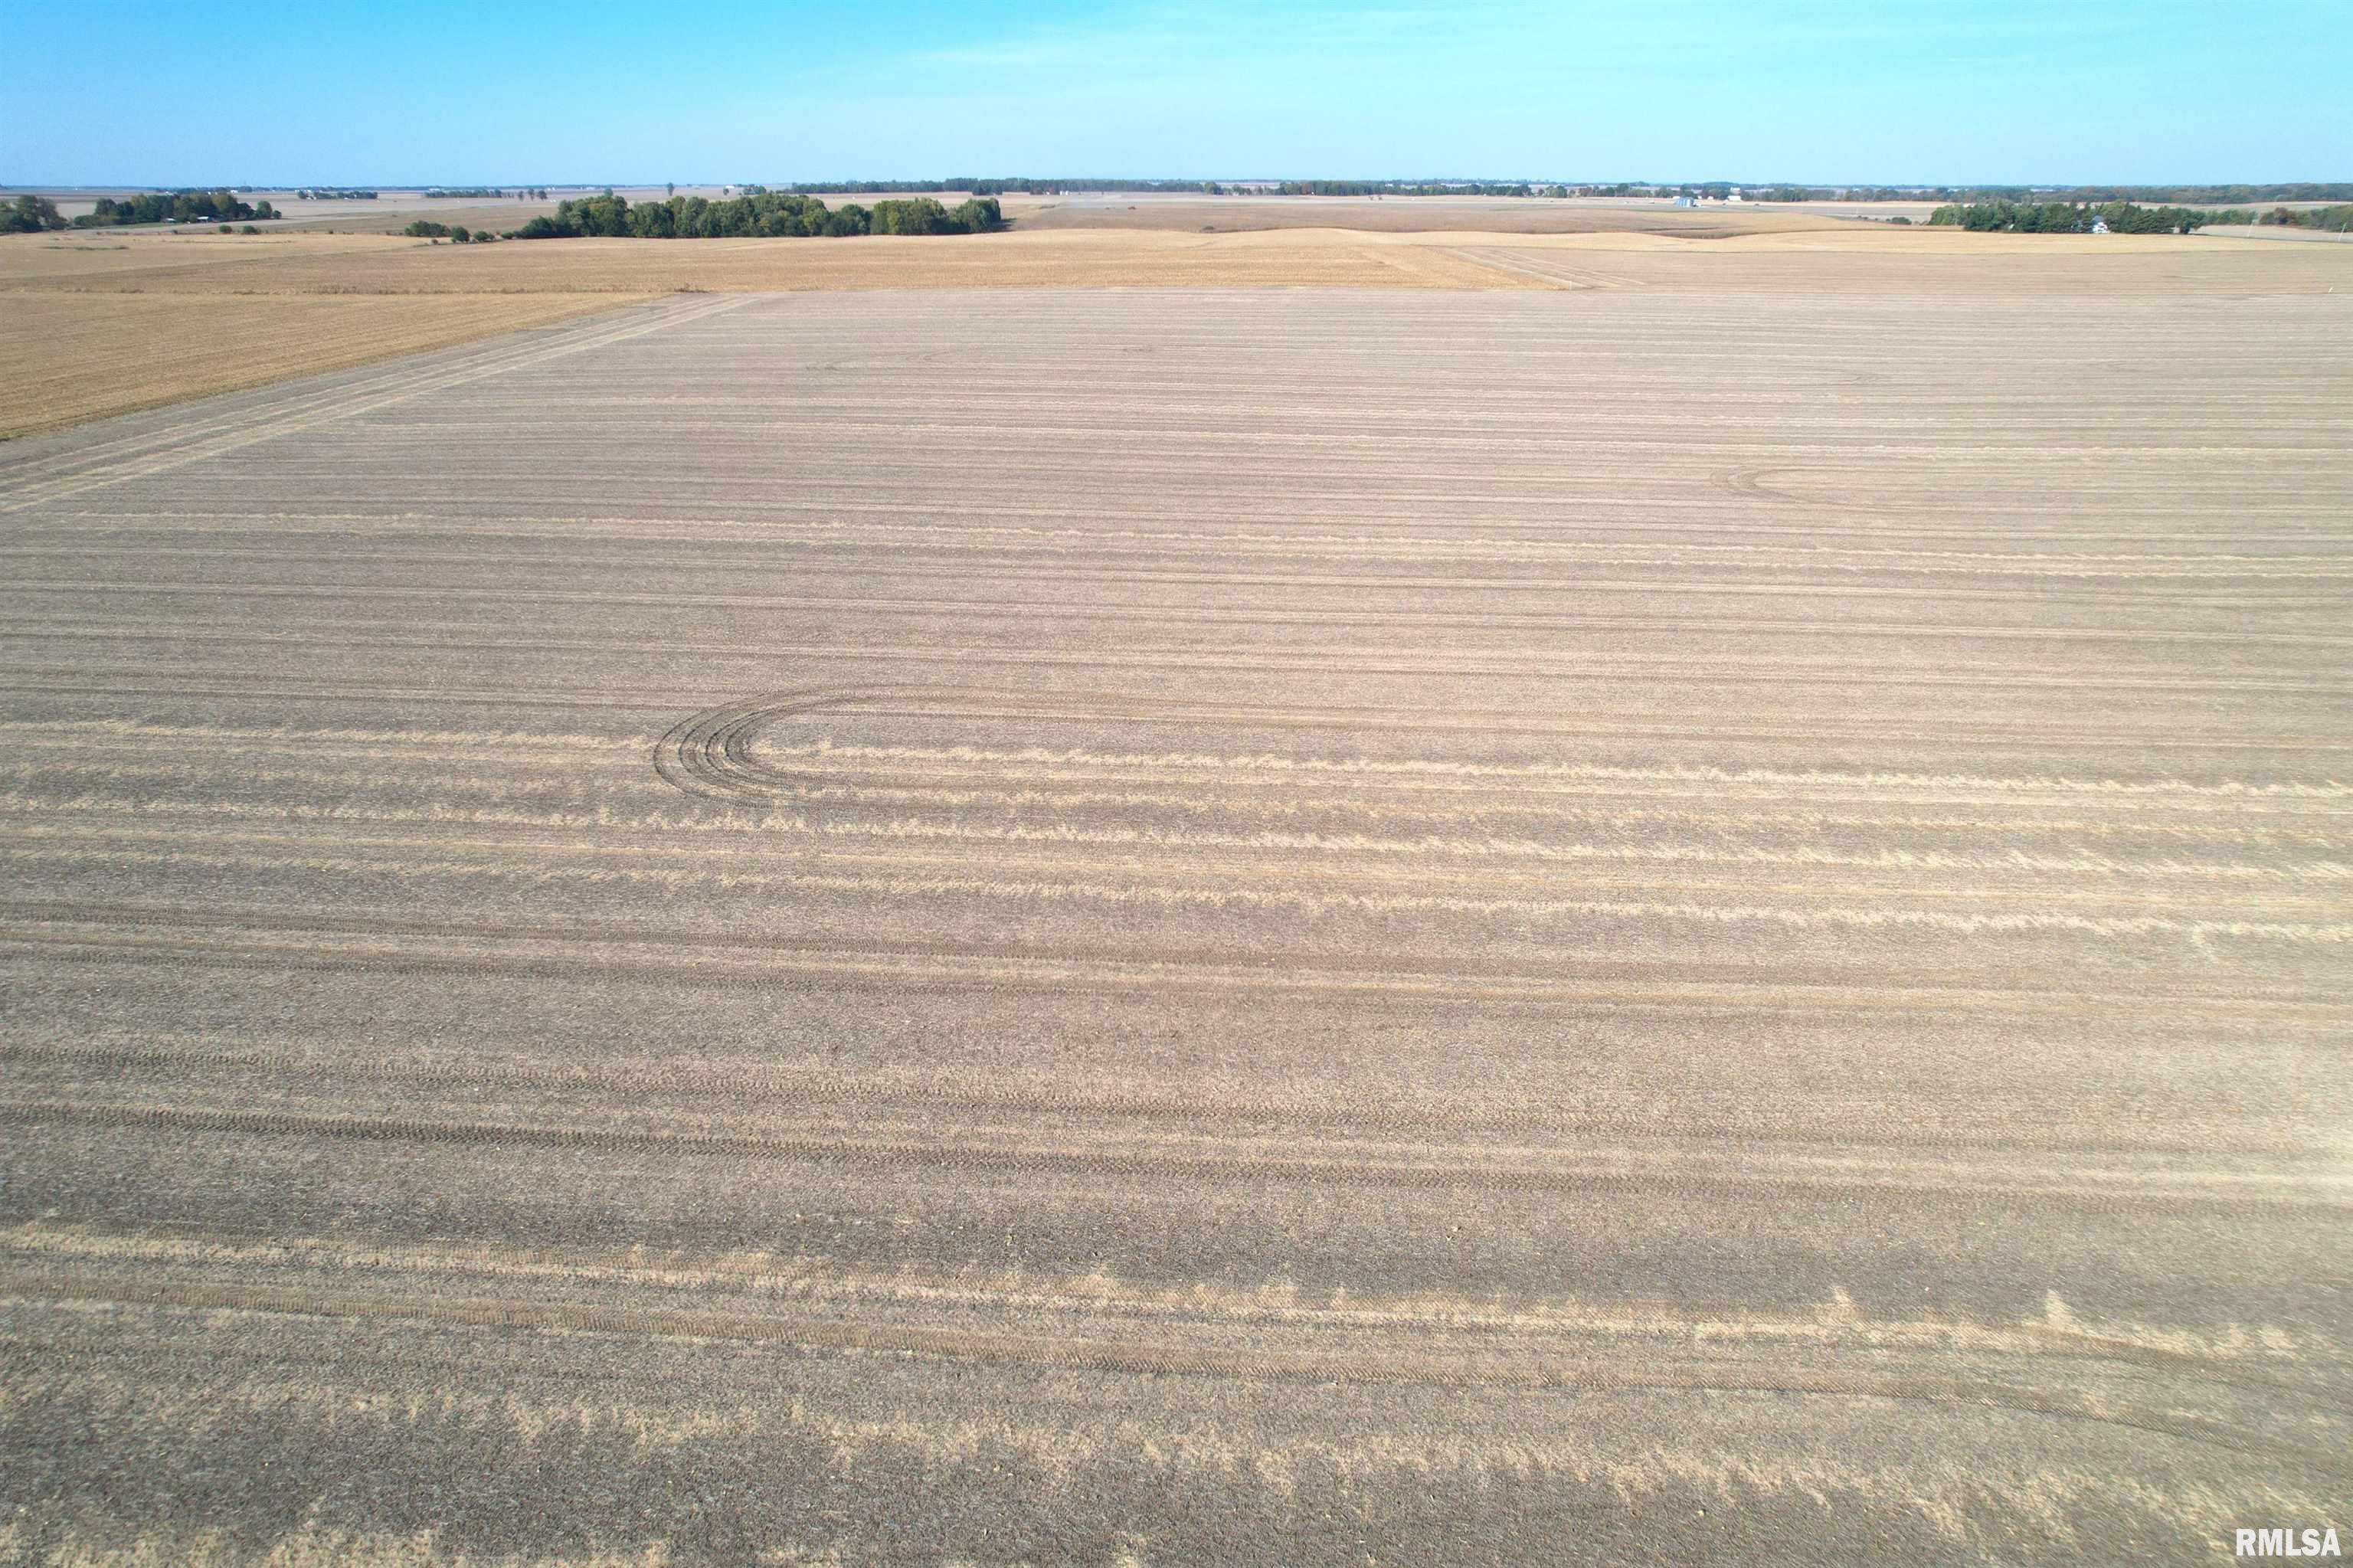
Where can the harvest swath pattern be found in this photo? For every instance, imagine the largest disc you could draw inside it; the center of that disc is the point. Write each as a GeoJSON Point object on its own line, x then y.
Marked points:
{"type": "Point", "coordinates": [1036, 926]}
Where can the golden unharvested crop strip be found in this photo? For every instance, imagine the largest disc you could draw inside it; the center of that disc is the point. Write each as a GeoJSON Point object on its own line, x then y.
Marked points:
{"type": "Point", "coordinates": [69, 357]}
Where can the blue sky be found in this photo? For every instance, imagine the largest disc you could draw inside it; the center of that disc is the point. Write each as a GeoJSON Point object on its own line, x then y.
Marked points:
{"type": "Point", "coordinates": [146, 92]}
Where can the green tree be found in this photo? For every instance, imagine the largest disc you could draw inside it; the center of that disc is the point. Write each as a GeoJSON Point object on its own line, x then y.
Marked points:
{"type": "Point", "coordinates": [30, 214]}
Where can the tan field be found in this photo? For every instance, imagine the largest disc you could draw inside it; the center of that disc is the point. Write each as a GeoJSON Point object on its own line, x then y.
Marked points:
{"type": "Point", "coordinates": [1111, 898]}
{"type": "Point", "coordinates": [221, 313]}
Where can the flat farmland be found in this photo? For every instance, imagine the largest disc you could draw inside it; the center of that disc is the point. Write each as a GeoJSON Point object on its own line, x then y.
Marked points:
{"type": "Point", "coordinates": [1656, 915]}
{"type": "Point", "coordinates": [111, 323]}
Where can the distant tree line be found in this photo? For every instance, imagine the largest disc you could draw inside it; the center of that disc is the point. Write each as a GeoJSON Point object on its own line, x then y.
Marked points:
{"type": "Point", "coordinates": [327, 194]}
{"type": "Point", "coordinates": [2190, 196]}
{"type": "Point", "coordinates": [759, 213]}
{"type": "Point", "coordinates": [432, 192]}
{"type": "Point", "coordinates": [30, 214]}
{"type": "Point", "coordinates": [2333, 219]}
{"type": "Point", "coordinates": [173, 207]}
{"type": "Point", "coordinates": [426, 228]}
{"type": "Point", "coordinates": [2079, 217]}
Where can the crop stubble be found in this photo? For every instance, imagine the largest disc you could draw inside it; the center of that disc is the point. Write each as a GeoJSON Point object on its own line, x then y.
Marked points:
{"type": "Point", "coordinates": [1029, 925]}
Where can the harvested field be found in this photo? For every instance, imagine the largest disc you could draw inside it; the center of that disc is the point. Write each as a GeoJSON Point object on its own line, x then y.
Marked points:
{"type": "Point", "coordinates": [1651, 917]}
{"type": "Point", "coordinates": [209, 302]}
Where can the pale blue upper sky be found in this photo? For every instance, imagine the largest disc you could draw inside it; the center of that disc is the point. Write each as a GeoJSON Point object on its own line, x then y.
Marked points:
{"type": "Point", "coordinates": [295, 91]}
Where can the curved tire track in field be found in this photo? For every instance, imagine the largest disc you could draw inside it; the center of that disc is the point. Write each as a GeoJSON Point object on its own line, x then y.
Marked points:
{"type": "Point", "coordinates": [712, 753]}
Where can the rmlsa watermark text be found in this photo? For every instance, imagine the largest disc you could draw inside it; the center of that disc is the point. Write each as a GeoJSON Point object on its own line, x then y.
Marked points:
{"type": "Point", "coordinates": [2287, 1543]}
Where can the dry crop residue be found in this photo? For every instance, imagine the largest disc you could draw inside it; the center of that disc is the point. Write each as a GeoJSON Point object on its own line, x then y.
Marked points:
{"type": "Point", "coordinates": [1668, 915]}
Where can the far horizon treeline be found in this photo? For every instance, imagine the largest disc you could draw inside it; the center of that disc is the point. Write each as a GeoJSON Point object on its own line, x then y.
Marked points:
{"type": "Point", "coordinates": [2126, 217]}
{"type": "Point", "coordinates": [759, 213]}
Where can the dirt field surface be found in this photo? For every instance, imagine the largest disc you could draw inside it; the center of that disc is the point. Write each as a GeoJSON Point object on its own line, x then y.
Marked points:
{"type": "Point", "coordinates": [219, 313]}
{"type": "Point", "coordinates": [1645, 918]}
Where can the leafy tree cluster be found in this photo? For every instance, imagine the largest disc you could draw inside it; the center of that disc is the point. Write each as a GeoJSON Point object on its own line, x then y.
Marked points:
{"type": "Point", "coordinates": [2331, 219]}
{"type": "Point", "coordinates": [30, 214]}
{"type": "Point", "coordinates": [923, 215]}
{"type": "Point", "coordinates": [426, 228]}
{"type": "Point", "coordinates": [2077, 218]}
{"type": "Point", "coordinates": [756, 214]}
{"type": "Point", "coordinates": [432, 191]}
{"type": "Point", "coordinates": [173, 207]}
{"type": "Point", "coordinates": [327, 194]}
